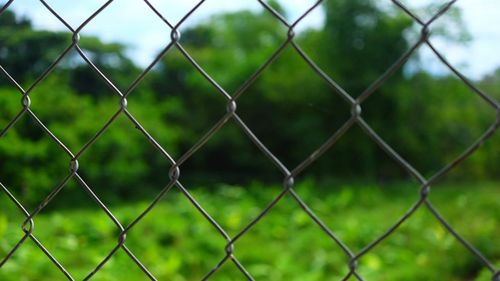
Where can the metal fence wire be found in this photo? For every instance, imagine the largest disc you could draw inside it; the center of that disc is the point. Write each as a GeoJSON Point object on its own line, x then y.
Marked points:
{"type": "Point", "coordinates": [356, 118]}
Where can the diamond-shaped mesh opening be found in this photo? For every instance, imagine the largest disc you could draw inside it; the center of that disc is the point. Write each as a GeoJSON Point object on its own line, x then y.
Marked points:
{"type": "Point", "coordinates": [316, 119]}
{"type": "Point", "coordinates": [185, 247]}
{"type": "Point", "coordinates": [78, 109]}
{"type": "Point", "coordinates": [290, 236]}
{"type": "Point", "coordinates": [144, 174]}
{"type": "Point", "coordinates": [417, 100]}
{"type": "Point", "coordinates": [250, 38]}
{"type": "Point", "coordinates": [228, 169]}
{"type": "Point", "coordinates": [350, 203]}
{"type": "Point", "coordinates": [168, 110]}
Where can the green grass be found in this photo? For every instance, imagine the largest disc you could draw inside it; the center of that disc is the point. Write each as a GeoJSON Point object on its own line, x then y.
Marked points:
{"type": "Point", "coordinates": [176, 243]}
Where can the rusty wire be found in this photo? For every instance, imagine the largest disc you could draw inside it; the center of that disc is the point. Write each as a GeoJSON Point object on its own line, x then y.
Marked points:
{"type": "Point", "coordinates": [231, 113]}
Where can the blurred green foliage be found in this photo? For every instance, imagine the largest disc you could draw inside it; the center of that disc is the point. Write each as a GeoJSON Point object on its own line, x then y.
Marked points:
{"type": "Point", "coordinates": [177, 243]}
{"type": "Point", "coordinates": [430, 119]}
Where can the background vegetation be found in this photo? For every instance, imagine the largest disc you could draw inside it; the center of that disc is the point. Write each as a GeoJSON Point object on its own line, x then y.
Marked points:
{"type": "Point", "coordinates": [428, 117]}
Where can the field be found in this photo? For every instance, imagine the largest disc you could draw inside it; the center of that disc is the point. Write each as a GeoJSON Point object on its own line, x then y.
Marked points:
{"type": "Point", "coordinates": [176, 243]}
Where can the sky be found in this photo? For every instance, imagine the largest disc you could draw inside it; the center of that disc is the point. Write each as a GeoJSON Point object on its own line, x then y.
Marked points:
{"type": "Point", "coordinates": [133, 23]}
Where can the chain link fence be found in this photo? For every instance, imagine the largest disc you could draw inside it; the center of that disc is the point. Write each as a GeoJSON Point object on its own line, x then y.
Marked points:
{"type": "Point", "coordinates": [289, 173]}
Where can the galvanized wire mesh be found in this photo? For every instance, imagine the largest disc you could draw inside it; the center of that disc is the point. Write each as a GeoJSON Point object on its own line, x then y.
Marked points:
{"type": "Point", "coordinates": [289, 174]}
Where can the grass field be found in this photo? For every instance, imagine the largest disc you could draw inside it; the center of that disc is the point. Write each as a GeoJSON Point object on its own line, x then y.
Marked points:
{"type": "Point", "coordinates": [176, 243]}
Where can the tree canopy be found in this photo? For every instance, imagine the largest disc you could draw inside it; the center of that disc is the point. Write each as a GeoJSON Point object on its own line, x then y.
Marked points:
{"type": "Point", "coordinates": [430, 119]}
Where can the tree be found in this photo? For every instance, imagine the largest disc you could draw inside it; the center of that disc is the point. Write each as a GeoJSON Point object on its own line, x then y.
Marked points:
{"type": "Point", "coordinates": [74, 104]}
{"type": "Point", "coordinates": [289, 108]}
